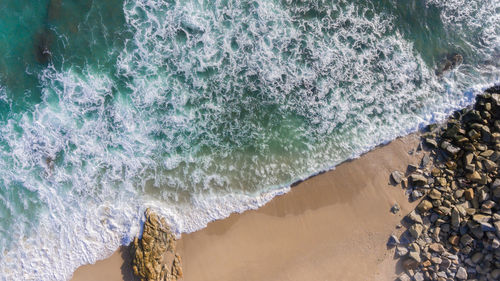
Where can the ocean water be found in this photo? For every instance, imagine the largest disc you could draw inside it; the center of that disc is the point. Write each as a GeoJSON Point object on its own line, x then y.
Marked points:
{"type": "Point", "coordinates": [203, 108]}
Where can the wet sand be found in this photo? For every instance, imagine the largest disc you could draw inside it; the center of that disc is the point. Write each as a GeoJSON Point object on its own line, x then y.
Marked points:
{"type": "Point", "coordinates": [333, 226]}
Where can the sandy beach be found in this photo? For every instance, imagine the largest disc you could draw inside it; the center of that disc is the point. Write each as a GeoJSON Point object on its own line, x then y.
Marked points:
{"type": "Point", "coordinates": [333, 226]}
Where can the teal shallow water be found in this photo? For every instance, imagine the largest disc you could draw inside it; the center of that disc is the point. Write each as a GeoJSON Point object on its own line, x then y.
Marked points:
{"type": "Point", "coordinates": [203, 108]}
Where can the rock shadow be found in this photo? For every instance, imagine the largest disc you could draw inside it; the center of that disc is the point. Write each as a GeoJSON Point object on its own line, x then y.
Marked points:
{"type": "Point", "coordinates": [126, 268]}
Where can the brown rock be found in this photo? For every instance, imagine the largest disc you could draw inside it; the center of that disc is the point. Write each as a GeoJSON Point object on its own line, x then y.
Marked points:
{"type": "Point", "coordinates": [436, 247]}
{"type": "Point", "coordinates": [454, 240]}
{"type": "Point", "coordinates": [480, 218]}
{"type": "Point", "coordinates": [435, 172]}
{"type": "Point", "coordinates": [426, 263]}
{"type": "Point", "coordinates": [455, 218]}
{"type": "Point", "coordinates": [397, 177]}
{"type": "Point", "coordinates": [443, 211]}
{"type": "Point", "coordinates": [473, 134]}
{"type": "Point", "coordinates": [470, 168]}
{"type": "Point", "coordinates": [135, 270]}
{"type": "Point", "coordinates": [474, 176]}
{"type": "Point", "coordinates": [451, 149]}
{"type": "Point", "coordinates": [470, 211]}
{"type": "Point", "coordinates": [418, 180]}
{"type": "Point", "coordinates": [149, 252]}
{"type": "Point", "coordinates": [495, 136]}
{"type": "Point", "coordinates": [469, 194]}
{"type": "Point", "coordinates": [466, 239]}
{"type": "Point", "coordinates": [468, 159]}
{"type": "Point", "coordinates": [435, 194]}
{"type": "Point", "coordinates": [409, 263]}
{"type": "Point", "coordinates": [424, 206]}
{"type": "Point", "coordinates": [488, 205]}
{"type": "Point", "coordinates": [177, 269]}
{"type": "Point", "coordinates": [489, 165]}
{"type": "Point", "coordinates": [415, 255]}
{"type": "Point", "coordinates": [413, 216]}
{"type": "Point", "coordinates": [452, 165]}
{"type": "Point", "coordinates": [416, 230]}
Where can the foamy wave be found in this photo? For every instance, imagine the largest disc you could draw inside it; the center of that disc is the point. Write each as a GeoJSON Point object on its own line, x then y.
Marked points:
{"type": "Point", "coordinates": [87, 200]}
{"type": "Point", "coordinates": [481, 16]}
{"type": "Point", "coordinates": [243, 83]}
{"type": "Point", "coordinates": [478, 22]}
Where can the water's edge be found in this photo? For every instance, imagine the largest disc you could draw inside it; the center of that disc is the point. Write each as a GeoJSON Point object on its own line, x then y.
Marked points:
{"type": "Point", "coordinates": [266, 197]}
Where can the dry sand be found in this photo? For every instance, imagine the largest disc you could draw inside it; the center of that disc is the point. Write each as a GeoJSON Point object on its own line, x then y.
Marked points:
{"type": "Point", "coordinates": [333, 226]}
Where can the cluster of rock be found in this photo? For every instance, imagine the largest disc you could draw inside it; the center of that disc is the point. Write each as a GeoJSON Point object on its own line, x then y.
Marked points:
{"type": "Point", "coordinates": [154, 255]}
{"type": "Point", "coordinates": [454, 232]}
{"type": "Point", "coordinates": [449, 63]}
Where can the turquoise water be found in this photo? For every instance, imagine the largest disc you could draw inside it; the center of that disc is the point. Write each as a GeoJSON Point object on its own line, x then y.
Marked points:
{"type": "Point", "coordinates": [203, 108]}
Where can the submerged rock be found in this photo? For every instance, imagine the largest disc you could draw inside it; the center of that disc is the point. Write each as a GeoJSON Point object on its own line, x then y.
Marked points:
{"type": "Point", "coordinates": [43, 40]}
{"type": "Point", "coordinates": [449, 64]}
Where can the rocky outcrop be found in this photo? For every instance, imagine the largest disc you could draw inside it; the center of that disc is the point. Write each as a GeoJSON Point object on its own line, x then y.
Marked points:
{"type": "Point", "coordinates": [449, 64]}
{"type": "Point", "coordinates": [154, 255]}
{"type": "Point", "coordinates": [454, 232]}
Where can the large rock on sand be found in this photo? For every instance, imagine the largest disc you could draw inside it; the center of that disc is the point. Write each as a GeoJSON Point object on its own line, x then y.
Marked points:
{"type": "Point", "coordinates": [418, 180]}
{"type": "Point", "coordinates": [154, 255]}
{"type": "Point", "coordinates": [397, 177]}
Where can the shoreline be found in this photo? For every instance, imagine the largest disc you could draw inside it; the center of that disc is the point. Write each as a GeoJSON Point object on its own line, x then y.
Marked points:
{"type": "Point", "coordinates": [319, 211]}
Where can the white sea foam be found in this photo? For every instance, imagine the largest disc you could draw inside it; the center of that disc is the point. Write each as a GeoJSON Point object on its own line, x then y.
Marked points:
{"type": "Point", "coordinates": [224, 107]}
{"type": "Point", "coordinates": [480, 16]}
{"type": "Point", "coordinates": [3, 94]}
{"type": "Point", "coordinates": [478, 22]}
{"type": "Point", "coordinates": [90, 201]}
